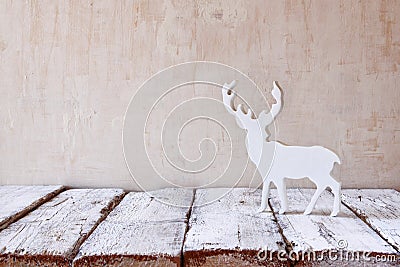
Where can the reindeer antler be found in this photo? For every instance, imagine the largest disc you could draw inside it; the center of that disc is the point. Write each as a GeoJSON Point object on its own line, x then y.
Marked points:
{"type": "Point", "coordinates": [244, 118]}
{"type": "Point", "coordinates": [265, 118]}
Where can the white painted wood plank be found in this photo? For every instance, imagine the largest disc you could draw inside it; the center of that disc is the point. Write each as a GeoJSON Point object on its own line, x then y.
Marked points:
{"type": "Point", "coordinates": [16, 200]}
{"type": "Point", "coordinates": [51, 234]}
{"type": "Point", "coordinates": [141, 230]}
{"type": "Point", "coordinates": [229, 231]}
{"type": "Point", "coordinates": [320, 232]}
{"type": "Point", "coordinates": [380, 208]}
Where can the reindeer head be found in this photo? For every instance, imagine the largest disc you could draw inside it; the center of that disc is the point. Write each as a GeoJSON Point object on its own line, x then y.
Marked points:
{"type": "Point", "coordinates": [246, 119]}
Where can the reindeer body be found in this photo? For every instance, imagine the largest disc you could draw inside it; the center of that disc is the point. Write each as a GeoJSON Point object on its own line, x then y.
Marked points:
{"type": "Point", "coordinates": [297, 162]}
{"type": "Point", "coordinates": [276, 161]}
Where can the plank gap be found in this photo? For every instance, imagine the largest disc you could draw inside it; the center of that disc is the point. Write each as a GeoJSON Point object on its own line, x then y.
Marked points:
{"type": "Point", "coordinates": [146, 228]}
{"type": "Point", "coordinates": [32, 206]}
{"type": "Point", "coordinates": [320, 232]}
{"type": "Point", "coordinates": [288, 244]}
{"type": "Point", "coordinates": [226, 229]}
{"type": "Point", "coordinates": [51, 234]}
{"type": "Point", "coordinates": [188, 215]}
{"type": "Point", "coordinates": [105, 212]}
{"type": "Point", "coordinates": [364, 219]}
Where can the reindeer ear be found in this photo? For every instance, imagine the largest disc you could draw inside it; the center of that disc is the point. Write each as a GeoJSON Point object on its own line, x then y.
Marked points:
{"type": "Point", "coordinates": [276, 91]}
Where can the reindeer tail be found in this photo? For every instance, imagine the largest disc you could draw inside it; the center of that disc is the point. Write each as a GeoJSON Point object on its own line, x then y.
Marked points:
{"type": "Point", "coordinates": [335, 158]}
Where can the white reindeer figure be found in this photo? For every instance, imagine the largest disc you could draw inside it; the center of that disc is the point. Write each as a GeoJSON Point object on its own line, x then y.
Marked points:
{"type": "Point", "coordinates": [294, 162]}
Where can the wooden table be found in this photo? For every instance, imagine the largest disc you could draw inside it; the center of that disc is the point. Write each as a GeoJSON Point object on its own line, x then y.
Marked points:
{"type": "Point", "coordinates": [55, 226]}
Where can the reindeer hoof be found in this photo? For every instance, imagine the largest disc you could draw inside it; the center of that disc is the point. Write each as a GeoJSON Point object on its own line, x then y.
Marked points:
{"type": "Point", "coordinates": [307, 211]}
{"type": "Point", "coordinates": [264, 209]}
{"type": "Point", "coordinates": [260, 210]}
{"type": "Point", "coordinates": [334, 213]}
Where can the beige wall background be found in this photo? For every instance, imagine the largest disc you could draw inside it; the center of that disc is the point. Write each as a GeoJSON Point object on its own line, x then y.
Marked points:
{"type": "Point", "coordinates": [69, 68]}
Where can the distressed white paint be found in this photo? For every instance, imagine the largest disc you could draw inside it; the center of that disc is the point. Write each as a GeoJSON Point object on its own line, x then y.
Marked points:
{"type": "Point", "coordinates": [318, 232]}
{"type": "Point", "coordinates": [229, 230]}
{"type": "Point", "coordinates": [16, 201]}
{"type": "Point", "coordinates": [275, 161]}
{"type": "Point", "coordinates": [226, 230]}
{"type": "Point", "coordinates": [140, 230]}
{"type": "Point", "coordinates": [379, 208]}
{"type": "Point", "coordinates": [52, 233]}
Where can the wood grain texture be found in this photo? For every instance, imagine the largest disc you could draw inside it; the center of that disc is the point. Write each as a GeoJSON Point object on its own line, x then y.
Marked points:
{"type": "Point", "coordinates": [141, 231]}
{"type": "Point", "coordinates": [229, 231]}
{"type": "Point", "coordinates": [16, 201]}
{"type": "Point", "coordinates": [322, 233]}
{"type": "Point", "coordinates": [51, 234]}
{"type": "Point", "coordinates": [379, 208]}
{"type": "Point", "coordinates": [69, 69]}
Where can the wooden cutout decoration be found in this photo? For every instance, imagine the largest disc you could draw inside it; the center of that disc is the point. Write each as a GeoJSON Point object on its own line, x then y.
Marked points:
{"type": "Point", "coordinates": [293, 162]}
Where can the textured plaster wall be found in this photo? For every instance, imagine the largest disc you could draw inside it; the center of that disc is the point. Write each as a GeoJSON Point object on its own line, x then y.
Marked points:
{"type": "Point", "coordinates": [69, 68]}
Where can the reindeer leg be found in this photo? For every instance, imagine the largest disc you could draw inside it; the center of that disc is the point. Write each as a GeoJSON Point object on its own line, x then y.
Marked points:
{"type": "Point", "coordinates": [281, 187]}
{"type": "Point", "coordinates": [265, 195]}
{"type": "Point", "coordinates": [336, 203]}
{"type": "Point", "coordinates": [314, 199]}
